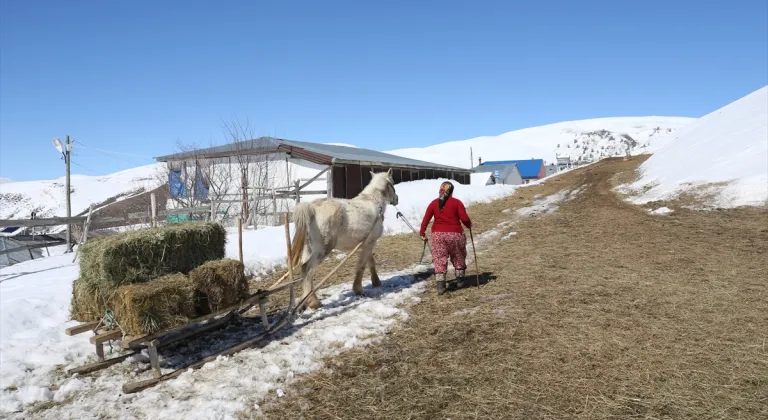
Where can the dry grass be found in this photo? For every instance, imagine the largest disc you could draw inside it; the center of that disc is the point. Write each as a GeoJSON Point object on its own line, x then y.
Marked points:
{"type": "Point", "coordinates": [598, 310]}
{"type": "Point", "coordinates": [86, 305]}
{"type": "Point", "coordinates": [163, 303]}
{"type": "Point", "coordinates": [218, 285]}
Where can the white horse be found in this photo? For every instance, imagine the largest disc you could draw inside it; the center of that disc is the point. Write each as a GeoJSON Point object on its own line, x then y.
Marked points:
{"type": "Point", "coordinates": [335, 223]}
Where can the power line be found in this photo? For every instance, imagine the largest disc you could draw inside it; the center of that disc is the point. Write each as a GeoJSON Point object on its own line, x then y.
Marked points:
{"type": "Point", "coordinates": [111, 151]}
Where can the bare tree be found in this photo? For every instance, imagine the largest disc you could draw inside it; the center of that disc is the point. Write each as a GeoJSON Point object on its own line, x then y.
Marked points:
{"type": "Point", "coordinates": [257, 169]}
{"type": "Point", "coordinates": [192, 172]}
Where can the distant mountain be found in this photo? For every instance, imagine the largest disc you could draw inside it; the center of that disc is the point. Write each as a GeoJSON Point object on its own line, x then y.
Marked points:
{"type": "Point", "coordinates": [584, 140]}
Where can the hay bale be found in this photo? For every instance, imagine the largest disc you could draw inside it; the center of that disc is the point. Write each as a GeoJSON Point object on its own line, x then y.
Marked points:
{"type": "Point", "coordinates": [141, 255]}
{"type": "Point", "coordinates": [87, 305]}
{"type": "Point", "coordinates": [160, 304]}
{"type": "Point", "coordinates": [219, 284]}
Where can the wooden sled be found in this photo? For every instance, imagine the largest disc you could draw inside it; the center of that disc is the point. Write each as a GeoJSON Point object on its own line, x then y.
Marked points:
{"type": "Point", "coordinates": [200, 326]}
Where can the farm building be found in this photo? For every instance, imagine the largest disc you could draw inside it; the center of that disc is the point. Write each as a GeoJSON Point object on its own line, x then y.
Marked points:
{"type": "Point", "coordinates": [550, 169]}
{"type": "Point", "coordinates": [530, 169]}
{"type": "Point", "coordinates": [254, 170]}
{"type": "Point", "coordinates": [563, 163]}
{"type": "Point", "coordinates": [507, 174]}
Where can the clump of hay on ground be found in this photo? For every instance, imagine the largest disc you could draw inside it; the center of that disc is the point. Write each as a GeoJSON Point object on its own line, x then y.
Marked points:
{"type": "Point", "coordinates": [163, 303]}
{"type": "Point", "coordinates": [87, 305]}
{"type": "Point", "coordinates": [141, 255]}
{"type": "Point", "coordinates": [219, 284]}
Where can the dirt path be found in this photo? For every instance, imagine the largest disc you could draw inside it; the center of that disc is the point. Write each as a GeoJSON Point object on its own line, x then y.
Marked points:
{"type": "Point", "coordinates": [597, 310]}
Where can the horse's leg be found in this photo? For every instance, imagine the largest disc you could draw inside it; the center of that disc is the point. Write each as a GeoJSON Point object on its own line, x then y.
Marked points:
{"type": "Point", "coordinates": [362, 260]}
{"type": "Point", "coordinates": [309, 268]}
{"type": "Point", "coordinates": [375, 281]}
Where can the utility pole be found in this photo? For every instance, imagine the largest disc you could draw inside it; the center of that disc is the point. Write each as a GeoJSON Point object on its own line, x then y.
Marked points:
{"type": "Point", "coordinates": [67, 157]}
{"type": "Point", "coordinates": [66, 152]}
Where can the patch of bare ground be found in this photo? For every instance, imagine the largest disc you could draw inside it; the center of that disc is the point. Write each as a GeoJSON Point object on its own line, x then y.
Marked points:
{"type": "Point", "coordinates": [598, 310]}
{"type": "Point", "coordinates": [396, 252]}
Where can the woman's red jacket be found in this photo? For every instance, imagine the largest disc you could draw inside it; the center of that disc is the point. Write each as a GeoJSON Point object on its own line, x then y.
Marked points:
{"type": "Point", "coordinates": [449, 220]}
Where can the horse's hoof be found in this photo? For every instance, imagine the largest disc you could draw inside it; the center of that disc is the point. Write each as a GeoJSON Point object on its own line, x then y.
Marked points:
{"type": "Point", "coordinates": [359, 292]}
{"type": "Point", "coordinates": [314, 303]}
{"type": "Point", "coordinates": [375, 282]}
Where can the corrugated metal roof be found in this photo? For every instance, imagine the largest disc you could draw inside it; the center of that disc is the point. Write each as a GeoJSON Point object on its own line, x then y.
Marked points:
{"type": "Point", "coordinates": [337, 154]}
{"type": "Point", "coordinates": [529, 168]}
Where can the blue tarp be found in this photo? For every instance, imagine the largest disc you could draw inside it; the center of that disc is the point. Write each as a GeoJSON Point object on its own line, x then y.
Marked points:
{"type": "Point", "coordinates": [176, 184]}
{"type": "Point", "coordinates": [201, 187]}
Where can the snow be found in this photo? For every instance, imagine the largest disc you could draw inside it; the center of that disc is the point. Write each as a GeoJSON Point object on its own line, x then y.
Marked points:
{"type": "Point", "coordinates": [341, 144]}
{"type": "Point", "coordinates": [586, 140]}
{"type": "Point", "coordinates": [35, 352]}
{"type": "Point", "coordinates": [35, 309]}
{"type": "Point", "coordinates": [661, 211]}
{"type": "Point", "coordinates": [728, 145]}
{"type": "Point", "coordinates": [415, 196]}
{"type": "Point", "coordinates": [19, 199]}
{"type": "Point", "coordinates": [5, 180]}
{"type": "Point", "coordinates": [480, 178]}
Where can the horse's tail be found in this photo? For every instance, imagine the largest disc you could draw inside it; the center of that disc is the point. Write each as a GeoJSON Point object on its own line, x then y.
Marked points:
{"type": "Point", "coordinates": [300, 249]}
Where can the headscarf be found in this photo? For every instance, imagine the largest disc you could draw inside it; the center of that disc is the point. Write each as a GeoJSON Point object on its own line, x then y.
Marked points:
{"type": "Point", "coordinates": [446, 190]}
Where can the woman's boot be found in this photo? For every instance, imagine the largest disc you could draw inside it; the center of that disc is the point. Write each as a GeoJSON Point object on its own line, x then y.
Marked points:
{"type": "Point", "coordinates": [460, 279]}
{"type": "Point", "coordinates": [440, 277]}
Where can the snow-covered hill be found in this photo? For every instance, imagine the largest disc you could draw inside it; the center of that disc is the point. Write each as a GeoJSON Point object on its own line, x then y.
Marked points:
{"type": "Point", "coordinates": [587, 140]}
{"type": "Point", "coordinates": [47, 198]}
{"type": "Point", "coordinates": [728, 145]}
{"type": "Point", "coordinates": [582, 140]}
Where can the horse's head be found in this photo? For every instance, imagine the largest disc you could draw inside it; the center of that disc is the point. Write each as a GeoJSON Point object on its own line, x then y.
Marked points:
{"type": "Point", "coordinates": [386, 185]}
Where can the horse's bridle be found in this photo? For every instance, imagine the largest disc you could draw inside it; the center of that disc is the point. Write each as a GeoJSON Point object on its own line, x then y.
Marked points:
{"type": "Point", "coordinates": [392, 186]}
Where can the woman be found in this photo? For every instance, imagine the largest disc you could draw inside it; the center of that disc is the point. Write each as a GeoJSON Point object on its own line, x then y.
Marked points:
{"type": "Point", "coordinates": [448, 238]}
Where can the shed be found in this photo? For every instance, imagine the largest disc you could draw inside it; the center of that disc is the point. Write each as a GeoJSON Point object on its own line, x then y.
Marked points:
{"type": "Point", "coordinates": [551, 169]}
{"type": "Point", "coordinates": [505, 174]}
{"type": "Point", "coordinates": [530, 169]}
{"type": "Point", "coordinates": [350, 167]}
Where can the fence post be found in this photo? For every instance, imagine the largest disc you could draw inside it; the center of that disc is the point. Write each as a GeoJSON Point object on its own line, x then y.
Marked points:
{"type": "Point", "coordinates": [274, 208]}
{"type": "Point", "coordinates": [240, 238]}
{"type": "Point", "coordinates": [213, 211]}
{"type": "Point", "coordinates": [298, 196]}
{"type": "Point", "coordinates": [153, 200]}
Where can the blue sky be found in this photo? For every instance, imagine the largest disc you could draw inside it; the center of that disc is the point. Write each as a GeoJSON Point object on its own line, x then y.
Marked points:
{"type": "Point", "coordinates": [132, 78]}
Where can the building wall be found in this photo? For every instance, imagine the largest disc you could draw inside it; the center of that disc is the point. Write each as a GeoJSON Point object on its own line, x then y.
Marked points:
{"type": "Point", "coordinates": [514, 178]}
{"type": "Point", "coordinates": [542, 172]}
{"type": "Point", "coordinates": [349, 180]}
{"type": "Point", "coordinates": [551, 169]}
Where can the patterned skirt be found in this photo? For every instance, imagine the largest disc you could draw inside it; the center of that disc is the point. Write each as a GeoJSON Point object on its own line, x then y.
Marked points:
{"type": "Point", "coordinates": [449, 245]}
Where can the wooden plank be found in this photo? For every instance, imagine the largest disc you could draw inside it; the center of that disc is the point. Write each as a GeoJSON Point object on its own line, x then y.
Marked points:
{"type": "Point", "coordinates": [339, 176]}
{"type": "Point", "coordinates": [130, 388]}
{"type": "Point", "coordinates": [311, 180]}
{"type": "Point", "coordinates": [194, 327]}
{"type": "Point", "coordinates": [263, 311]}
{"type": "Point", "coordinates": [79, 329]}
{"type": "Point", "coordinates": [154, 360]}
{"type": "Point", "coordinates": [354, 180]}
{"type": "Point", "coordinates": [92, 367]}
{"type": "Point", "coordinates": [52, 221]}
{"type": "Point", "coordinates": [107, 336]}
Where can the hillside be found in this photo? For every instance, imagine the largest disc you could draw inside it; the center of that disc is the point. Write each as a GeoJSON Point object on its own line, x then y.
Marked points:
{"type": "Point", "coordinates": [729, 145]}
{"type": "Point", "coordinates": [47, 198]}
{"type": "Point", "coordinates": [585, 140]}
